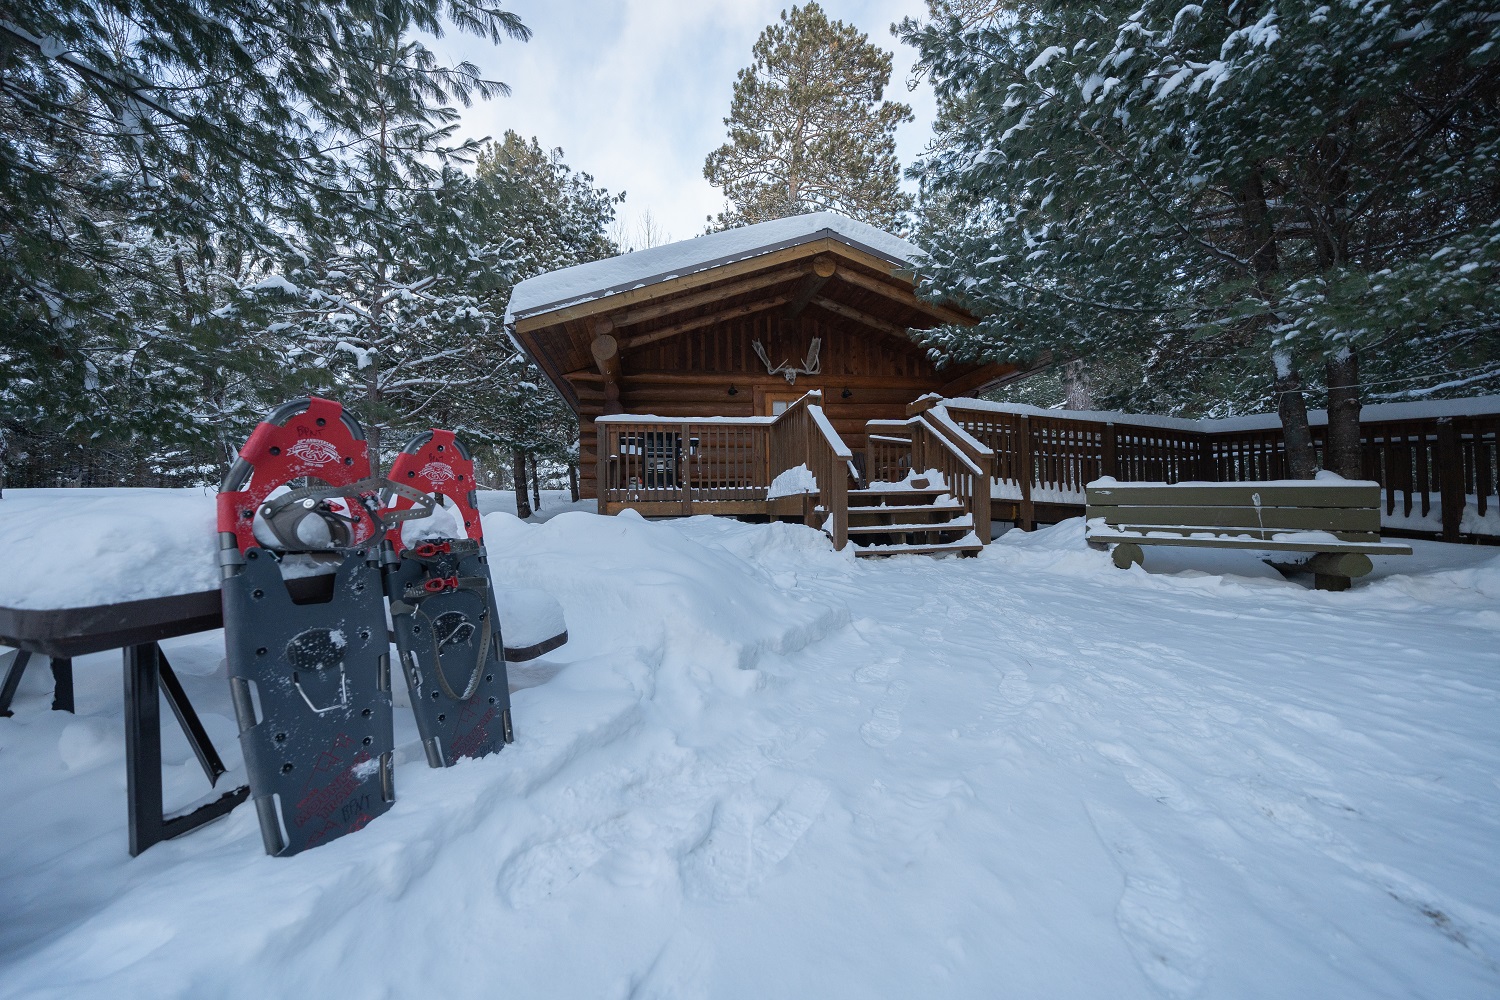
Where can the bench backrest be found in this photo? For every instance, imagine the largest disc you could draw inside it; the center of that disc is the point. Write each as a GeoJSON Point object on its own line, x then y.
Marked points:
{"type": "Point", "coordinates": [1350, 511]}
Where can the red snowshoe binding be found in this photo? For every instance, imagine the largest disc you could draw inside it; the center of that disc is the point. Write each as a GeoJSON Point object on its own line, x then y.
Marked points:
{"type": "Point", "coordinates": [443, 607]}
{"type": "Point", "coordinates": [310, 678]}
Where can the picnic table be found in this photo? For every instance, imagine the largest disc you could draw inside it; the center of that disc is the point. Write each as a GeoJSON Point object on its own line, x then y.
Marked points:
{"type": "Point", "coordinates": [137, 628]}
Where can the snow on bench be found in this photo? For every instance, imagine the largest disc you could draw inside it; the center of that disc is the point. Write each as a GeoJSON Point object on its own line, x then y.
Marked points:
{"type": "Point", "coordinates": [1336, 520]}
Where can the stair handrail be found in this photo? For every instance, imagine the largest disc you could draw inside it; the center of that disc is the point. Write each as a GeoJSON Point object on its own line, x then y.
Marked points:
{"type": "Point", "coordinates": [802, 434]}
{"type": "Point", "coordinates": [966, 464]}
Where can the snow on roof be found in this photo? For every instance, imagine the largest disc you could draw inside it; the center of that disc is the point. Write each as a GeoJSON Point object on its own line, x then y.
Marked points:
{"type": "Point", "coordinates": [596, 279]}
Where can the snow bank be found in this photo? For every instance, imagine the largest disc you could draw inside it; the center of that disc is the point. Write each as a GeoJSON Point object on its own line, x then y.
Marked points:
{"type": "Point", "coordinates": [763, 768]}
{"type": "Point", "coordinates": [596, 279]}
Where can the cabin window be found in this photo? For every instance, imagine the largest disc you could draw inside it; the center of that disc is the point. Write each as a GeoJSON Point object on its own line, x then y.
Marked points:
{"type": "Point", "coordinates": [774, 404]}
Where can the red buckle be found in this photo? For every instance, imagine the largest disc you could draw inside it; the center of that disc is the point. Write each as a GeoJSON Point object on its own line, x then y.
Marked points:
{"type": "Point", "coordinates": [439, 584]}
{"type": "Point", "coordinates": [429, 549]}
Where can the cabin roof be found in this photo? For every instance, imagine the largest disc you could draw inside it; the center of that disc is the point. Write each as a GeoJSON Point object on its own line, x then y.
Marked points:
{"type": "Point", "coordinates": [846, 275]}
{"type": "Point", "coordinates": [598, 279]}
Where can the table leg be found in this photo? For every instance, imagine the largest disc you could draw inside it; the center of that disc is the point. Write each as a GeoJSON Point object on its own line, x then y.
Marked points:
{"type": "Point", "coordinates": [62, 684]}
{"type": "Point", "coordinates": [18, 660]}
{"type": "Point", "coordinates": [187, 718]}
{"type": "Point", "coordinates": [145, 670]}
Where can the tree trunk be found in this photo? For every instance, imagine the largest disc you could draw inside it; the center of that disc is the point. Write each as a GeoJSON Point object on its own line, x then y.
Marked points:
{"type": "Point", "coordinates": [536, 486]}
{"type": "Point", "coordinates": [372, 427]}
{"type": "Point", "coordinates": [1077, 393]}
{"type": "Point", "coordinates": [1301, 457]}
{"type": "Point", "coordinates": [572, 480]}
{"type": "Point", "coordinates": [1342, 452]}
{"type": "Point", "coordinates": [518, 475]}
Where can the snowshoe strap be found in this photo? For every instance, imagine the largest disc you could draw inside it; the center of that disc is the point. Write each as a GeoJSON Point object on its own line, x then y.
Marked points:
{"type": "Point", "coordinates": [284, 513]}
{"type": "Point", "coordinates": [434, 583]}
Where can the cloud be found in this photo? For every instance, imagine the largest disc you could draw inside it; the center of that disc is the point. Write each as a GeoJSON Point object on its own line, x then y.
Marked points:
{"type": "Point", "coordinates": [635, 91]}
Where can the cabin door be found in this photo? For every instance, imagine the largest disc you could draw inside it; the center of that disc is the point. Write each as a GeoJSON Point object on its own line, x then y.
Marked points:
{"type": "Point", "coordinates": [774, 403]}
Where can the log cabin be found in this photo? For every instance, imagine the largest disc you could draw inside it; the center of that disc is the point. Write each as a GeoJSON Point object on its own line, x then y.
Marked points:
{"type": "Point", "coordinates": [682, 360]}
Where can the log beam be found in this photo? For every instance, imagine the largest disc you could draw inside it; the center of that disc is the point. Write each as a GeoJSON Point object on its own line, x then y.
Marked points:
{"type": "Point", "coordinates": [734, 312]}
{"type": "Point", "coordinates": [709, 295]}
{"type": "Point", "coordinates": [977, 379]}
{"type": "Point", "coordinates": [864, 318]}
{"type": "Point", "coordinates": [905, 296]}
{"type": "Point", "coordinates": [823, 268]}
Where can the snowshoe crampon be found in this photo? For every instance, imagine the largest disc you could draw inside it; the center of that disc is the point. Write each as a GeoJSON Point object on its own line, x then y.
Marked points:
{"type": "Point", "coordinates": [310, 679]}
{"type": "Point", "coordinates": [443, 609]}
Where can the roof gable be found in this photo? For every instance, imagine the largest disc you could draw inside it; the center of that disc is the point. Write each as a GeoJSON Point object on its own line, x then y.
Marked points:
{"type": "Point", "coordinates": [597, 279]}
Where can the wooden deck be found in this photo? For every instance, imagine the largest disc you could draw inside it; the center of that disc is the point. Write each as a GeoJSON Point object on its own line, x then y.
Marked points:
{"type": "Point", "coordinates": [1004, 466]}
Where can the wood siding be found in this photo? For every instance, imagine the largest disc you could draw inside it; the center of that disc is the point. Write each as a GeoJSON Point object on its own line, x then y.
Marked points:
{"type": "Point", "coordinates": [691, 375]}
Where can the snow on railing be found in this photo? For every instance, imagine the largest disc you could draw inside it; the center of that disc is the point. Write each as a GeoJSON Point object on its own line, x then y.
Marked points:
{"type": "Point", "coordinates": [1421, 453]}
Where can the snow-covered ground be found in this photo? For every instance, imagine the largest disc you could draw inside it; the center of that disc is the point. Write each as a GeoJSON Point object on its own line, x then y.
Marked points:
{"type": "Point", "coordinates": [761, 768]}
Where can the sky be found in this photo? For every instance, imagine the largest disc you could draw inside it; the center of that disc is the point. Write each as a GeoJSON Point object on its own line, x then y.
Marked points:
{"type": "Point", "coordinates": [635, 91]}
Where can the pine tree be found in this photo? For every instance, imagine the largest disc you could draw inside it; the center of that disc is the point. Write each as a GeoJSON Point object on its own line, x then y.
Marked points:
{"type": "Point", "coordinates": [1311, 184]}
{"type": "Point", "coordinates": [558, 218]}
{"type": "Point", "coordinates": [808, 129]}
{"type": "Point", "coordinates": [154, 158]}
{"type": "Point", "coordinates": [388, 297]}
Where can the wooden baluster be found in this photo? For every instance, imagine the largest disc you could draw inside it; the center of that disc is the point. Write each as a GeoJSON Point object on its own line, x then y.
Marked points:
{"type": "Point", "coordinates": [1450, 478]}
{"type": "Point", "coordinates": [1483, 474]}
{"type": "Point", "coordinates": [1026, 513]}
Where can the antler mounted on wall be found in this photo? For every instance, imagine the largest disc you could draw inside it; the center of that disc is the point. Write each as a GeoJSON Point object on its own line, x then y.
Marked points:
{"type": "Point", "coordinates": [811, 366]}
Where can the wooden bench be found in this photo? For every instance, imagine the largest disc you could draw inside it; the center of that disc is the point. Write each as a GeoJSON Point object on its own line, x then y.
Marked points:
{"type": "Point", "coordinates": [1336, 521]}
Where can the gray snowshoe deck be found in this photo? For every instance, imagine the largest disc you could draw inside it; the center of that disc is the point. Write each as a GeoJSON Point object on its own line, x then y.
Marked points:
{"type": "Point", "coordinates": [312, 691]}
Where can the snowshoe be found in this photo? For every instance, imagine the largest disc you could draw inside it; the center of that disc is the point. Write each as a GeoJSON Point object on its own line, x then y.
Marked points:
{"type": "Point", "coordinates": [443, 607]}
{"type": "Point", "coordinates": [310, 679]}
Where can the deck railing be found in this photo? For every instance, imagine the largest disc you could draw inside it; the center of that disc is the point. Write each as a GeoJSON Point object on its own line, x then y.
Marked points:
{"type": "Point", "coordinates": [663, 460]}
{"type": "Point", "coordinates": [887, 450]}
{"type": "Point", "coordinates": [685, 465]}
{"type": "Point", "coordinates": [1447, 463]}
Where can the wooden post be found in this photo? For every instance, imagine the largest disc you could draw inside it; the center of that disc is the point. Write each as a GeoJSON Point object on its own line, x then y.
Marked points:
{"type": "Point", "coordinates": [601, 465]}
{"type": "Point", "coordinates": [1450, 471]}
{"type": "Point", "coordinates": [680, 468]}
{"type": "Point", "coordinates": [1026, 514]}
{"type": "Point", "coordinates": [982, 500]}
{"type": "Point", "coordinates": [921, 405]}
{"type": "Point", "coordinates": [1110, 465]}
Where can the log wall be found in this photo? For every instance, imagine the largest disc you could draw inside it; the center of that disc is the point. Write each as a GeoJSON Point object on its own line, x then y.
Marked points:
{"type": "Point", "coordinates": [692, 375]}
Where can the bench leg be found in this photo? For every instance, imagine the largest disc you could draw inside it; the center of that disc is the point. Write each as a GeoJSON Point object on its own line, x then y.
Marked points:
{"type": "Point", "coordinates": [1337, 570]}
{"type": "Point", "coordinates": [1129, 554]}
{"type": "Point", "coordinates": [146, 674]}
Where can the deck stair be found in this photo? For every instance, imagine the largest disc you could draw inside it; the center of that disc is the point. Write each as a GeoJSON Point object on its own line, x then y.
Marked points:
{"type": "Point", "coordinates": [904, 518]}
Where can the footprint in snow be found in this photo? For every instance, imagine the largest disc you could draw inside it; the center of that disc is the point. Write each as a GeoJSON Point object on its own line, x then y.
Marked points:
{"type": "Point", "coordinates": [540, 871]}
{"type": "Point", "coordinates": [884, 726]}
{"type": "Point", "coordinates": [1144, 778]}
{"type": "Point", "coordinates": [1016, 689]}
{"type": "Point", "coordinates": [1158, 923]}
{"type": "Point", "coordinates": [874, 673]}
{"type": "Point", "coordinates": [750, 834]}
